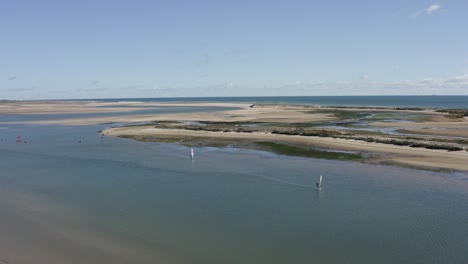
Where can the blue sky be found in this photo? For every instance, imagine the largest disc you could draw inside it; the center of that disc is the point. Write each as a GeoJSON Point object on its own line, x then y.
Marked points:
{"type": "Point", "coordinates": [95, 49]}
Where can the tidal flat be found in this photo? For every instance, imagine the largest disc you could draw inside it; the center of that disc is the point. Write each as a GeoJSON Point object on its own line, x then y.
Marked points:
{"type": "Point", "coordinates": [375, 135]}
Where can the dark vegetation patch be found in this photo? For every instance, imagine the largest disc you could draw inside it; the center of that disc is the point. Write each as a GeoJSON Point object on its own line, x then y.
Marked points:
{"type": "Point", "coordinates": [340, 114]}
{"type": "Point", "coordinates": [454, 113]}
{"type": "Point", "coordinates": [284, 149]}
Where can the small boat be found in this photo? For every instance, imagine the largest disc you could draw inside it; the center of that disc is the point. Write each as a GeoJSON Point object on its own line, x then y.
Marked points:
{"type": "Point", "coordinates": [319, 183]}
{"type": "Point", "coordinates": [192, 154]}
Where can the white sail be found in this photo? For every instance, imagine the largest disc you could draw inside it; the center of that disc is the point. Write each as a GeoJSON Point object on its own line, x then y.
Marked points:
{"type": "Point", "coordinates": [320, 181]}
{"type": "Point", "coordinates": [192, 154]}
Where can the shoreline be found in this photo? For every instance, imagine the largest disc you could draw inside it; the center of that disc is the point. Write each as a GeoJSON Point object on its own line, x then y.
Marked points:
{"type": "Point", "coordinates": [379, 153]}
{"type": "Point", "coordinates": [296, 128]}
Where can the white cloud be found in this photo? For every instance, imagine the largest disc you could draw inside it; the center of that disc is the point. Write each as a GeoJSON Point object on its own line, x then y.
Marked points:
{"type": "Point", "coordinates": [460, 79]}
{"type": "Point", "coordinates": [427, 11]}
{"type": "Point", "coordinates": [22, 89]}
{"type": "Point", "coordinates": [432, 8]}
{"type": "Point", "coordinates": [451, 85]}
{"type": "Point", "coordinates": [416, 14]}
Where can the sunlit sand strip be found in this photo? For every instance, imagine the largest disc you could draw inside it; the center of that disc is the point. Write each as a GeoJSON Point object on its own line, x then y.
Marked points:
{"type": "Point", "coordinates": [437, 159]}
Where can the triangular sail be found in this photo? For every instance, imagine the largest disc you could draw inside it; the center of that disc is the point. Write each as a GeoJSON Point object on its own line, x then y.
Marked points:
{"type": "Point", "coordinates": [318, 184]}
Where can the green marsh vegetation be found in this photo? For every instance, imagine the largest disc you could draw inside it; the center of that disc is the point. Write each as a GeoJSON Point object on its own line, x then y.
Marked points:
{"type": "Point", "coordinates": [341, 114]}
{"type": "Point", "coordinates": [278, 148]}
{"type": "Point", "coordinates": [289, 150]}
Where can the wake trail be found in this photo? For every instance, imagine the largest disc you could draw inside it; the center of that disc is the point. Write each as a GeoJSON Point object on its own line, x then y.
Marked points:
{"type": "Point", "coordinates": [283, 181]}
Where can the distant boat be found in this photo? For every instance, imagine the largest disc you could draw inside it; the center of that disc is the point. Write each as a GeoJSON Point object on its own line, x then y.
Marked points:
{"type": "Point", "coordinates": [319, 183]}
{"type": "Point", "coordinates": [192, 154]}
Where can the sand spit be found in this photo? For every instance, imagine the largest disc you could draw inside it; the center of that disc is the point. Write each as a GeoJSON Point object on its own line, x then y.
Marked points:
{"type": "Point", "coordinates": [404, 155]}
{"type": "Point", "coordinates": [344, 128]}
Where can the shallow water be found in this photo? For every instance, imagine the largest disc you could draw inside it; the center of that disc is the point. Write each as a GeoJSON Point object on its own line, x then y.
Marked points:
{"type": "Point", "coordinates": [5, 118]}
{"type": "Point", "coordinates": [121, 201]}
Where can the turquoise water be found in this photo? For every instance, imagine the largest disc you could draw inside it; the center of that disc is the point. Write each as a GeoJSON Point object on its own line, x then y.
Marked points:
{"type": "Point", "coordinates": [458, 101]}
{"type": "Point", "coordinates": [122, 201]}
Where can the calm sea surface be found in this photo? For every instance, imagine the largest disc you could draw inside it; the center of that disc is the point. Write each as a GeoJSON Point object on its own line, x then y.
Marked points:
{"type": "Point", "coordinates": [122, 201]}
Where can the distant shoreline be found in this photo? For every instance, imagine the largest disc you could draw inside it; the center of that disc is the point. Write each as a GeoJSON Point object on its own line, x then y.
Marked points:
{"type": "Point", "coordinates": [413, 101]}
